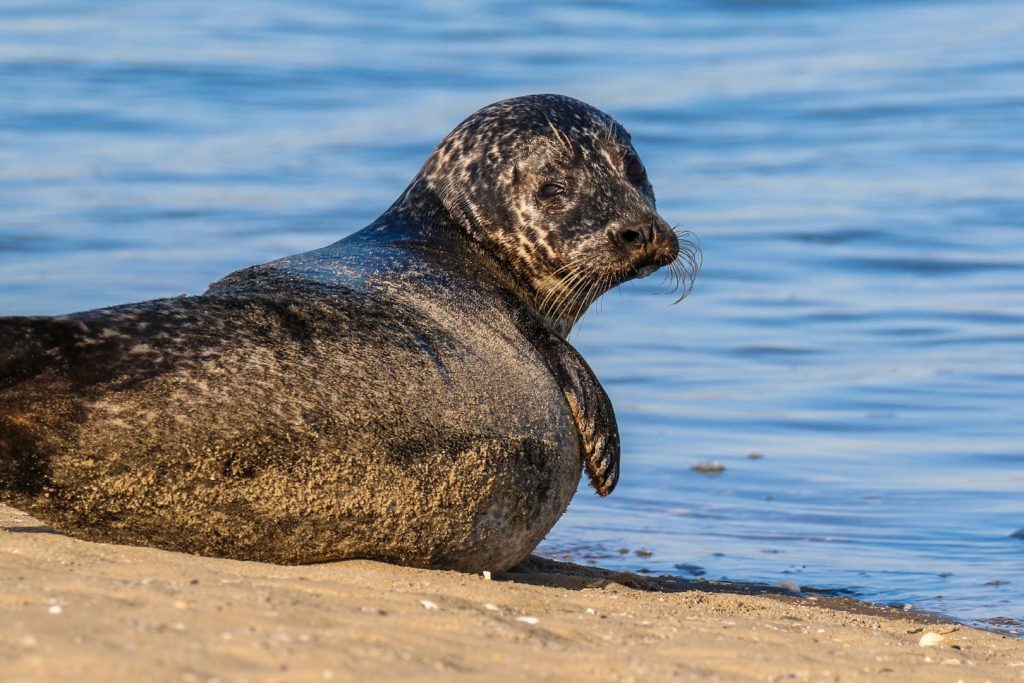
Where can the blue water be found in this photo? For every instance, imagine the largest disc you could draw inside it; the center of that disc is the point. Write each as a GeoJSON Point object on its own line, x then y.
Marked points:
{"type": "Point", "coordinates": [855, 172]}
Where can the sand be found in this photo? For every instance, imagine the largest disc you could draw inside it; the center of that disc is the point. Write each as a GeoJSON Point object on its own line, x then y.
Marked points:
{"type": "Point", "coordinates": [77, 611]}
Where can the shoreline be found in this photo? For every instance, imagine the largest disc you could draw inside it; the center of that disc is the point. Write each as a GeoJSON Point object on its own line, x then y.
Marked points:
{"type": "Point", "coordinates": [670, 583]}
{"type": "Point", "coordinates": [80, 611]}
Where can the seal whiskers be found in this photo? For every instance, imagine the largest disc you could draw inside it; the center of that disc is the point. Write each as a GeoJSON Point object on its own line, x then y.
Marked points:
{"type": "Point", "coordinates": [686, 266]}
{"type": "Point", "coordinates": [567, 290]}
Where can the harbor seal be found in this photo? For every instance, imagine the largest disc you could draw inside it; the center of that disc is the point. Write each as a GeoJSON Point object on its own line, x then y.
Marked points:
{"type": "Point", "coordinates": [406, 394]}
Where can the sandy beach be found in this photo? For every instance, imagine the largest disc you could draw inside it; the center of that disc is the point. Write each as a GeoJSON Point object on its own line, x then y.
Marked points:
{"type": "Point", "coordinates": [79, 611]}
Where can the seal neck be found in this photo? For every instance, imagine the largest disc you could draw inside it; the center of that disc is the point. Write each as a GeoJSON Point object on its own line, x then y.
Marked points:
{"type": "Point", "coordinates": [420, 219]}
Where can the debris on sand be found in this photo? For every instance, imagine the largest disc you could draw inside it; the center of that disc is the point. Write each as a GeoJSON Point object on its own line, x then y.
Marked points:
{"type": "Point", "coordinates": [709, 468]}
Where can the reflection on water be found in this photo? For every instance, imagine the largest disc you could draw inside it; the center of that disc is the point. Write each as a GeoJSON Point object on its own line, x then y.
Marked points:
{"type": "Point", "coordinates": [854, 172]}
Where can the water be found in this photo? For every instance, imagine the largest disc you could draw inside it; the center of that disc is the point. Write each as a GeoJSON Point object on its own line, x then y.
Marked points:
{"type": "Point", "coordinates": [854, 171]}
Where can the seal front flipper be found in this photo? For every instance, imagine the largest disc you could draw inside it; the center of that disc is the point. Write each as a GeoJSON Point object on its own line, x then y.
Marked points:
{"type": "Point", "coordinates": [592, 410]}
{"type": "Point", "coordinates": [590, 406]}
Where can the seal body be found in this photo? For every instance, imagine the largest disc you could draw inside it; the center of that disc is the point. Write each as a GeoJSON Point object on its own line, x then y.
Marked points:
{"type": "Point", "coordinates": [404, 394]}
{"type": "Point", "coordinates": [288, 419]}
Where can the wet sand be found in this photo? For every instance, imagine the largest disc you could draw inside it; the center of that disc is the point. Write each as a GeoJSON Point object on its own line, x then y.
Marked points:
{"type": "Point", "coordinates": [77, 611]}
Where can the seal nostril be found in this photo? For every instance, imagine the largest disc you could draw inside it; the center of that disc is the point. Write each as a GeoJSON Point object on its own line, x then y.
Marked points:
{"type": "Point", "coordinates": [630, 236]}
{"type": "Point", "coordinates": [649, 232]}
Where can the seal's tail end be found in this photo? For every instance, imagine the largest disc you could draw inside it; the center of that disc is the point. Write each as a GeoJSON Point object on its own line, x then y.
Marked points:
{"type": "Point", "coordinates": [29, 348]}
{"type": "Point", "coordinates": [31, 345]}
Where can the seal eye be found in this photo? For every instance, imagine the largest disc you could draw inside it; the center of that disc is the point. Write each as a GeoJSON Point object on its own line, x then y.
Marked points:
{"type": "Point", "coordinates": [550, 190]}
{"type": "Point", "coordinates": [635, 170]}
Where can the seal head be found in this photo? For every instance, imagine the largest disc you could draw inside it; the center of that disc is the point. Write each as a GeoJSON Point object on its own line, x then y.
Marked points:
{"type": "Point", "coordinates": [553, 190]}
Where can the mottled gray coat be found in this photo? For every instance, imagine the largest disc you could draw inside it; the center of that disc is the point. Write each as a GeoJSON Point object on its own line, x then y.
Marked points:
{"type": "Point", "coordinates": [405, 394]}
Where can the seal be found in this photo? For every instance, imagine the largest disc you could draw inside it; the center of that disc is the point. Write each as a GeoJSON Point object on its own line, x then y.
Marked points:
{"type": "Point", "coordinates": [406, 394]}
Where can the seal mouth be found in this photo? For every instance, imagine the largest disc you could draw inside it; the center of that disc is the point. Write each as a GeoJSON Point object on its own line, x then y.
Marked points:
{"type": "Point", "coordinates": [564, 296]}
{"type": "Point", "coordinates": [646, 271]}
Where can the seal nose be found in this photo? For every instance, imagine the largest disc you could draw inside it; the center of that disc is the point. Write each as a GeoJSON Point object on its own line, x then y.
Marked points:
{"type": "Point", "coordinates": [638, 236]}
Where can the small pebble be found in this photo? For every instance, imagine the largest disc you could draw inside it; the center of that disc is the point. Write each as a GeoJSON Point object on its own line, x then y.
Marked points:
{"type": "Point", "coordinates": [180, 604]}
{"type": "Point", "coordinates": [372, 610]}
{"type": "Point", "coordinates": [428, 605]}
{"type": "Point", "coordinates": [491, 607]}
{"type": "Point", "coordinates": [930, 639]}
{"type": "Point", "coordinates": [528, 620]}
{"type": "Point", "coordinates": [950, 662]}
{"type": "Point", "coordinates": [590, 610]}
{"type": "Point", "coordinates": [487, 575]}
{"type": "Point", "coordinates": [55, 609]}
